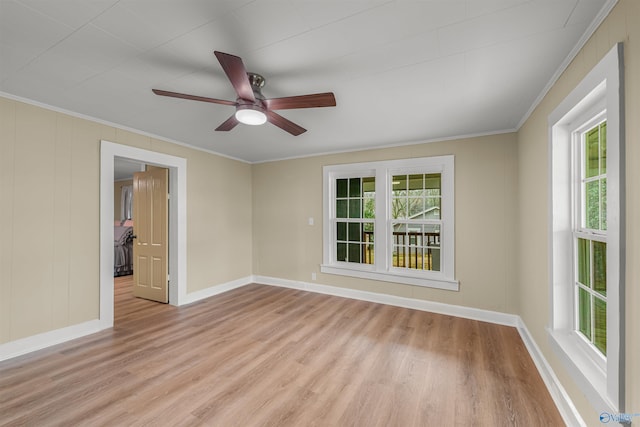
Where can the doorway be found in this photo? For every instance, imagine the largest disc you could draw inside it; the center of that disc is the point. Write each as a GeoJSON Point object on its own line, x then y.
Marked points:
{"type": "Point", "coordinates": [141, 228]}
{"type": "Point", "coordinates": [109, 153]}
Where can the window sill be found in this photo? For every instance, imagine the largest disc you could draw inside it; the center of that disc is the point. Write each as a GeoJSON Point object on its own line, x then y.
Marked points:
{"type": "Point", "coordinates": [589, 377]}
{"type": "Point", "coordinates": [436, 283]}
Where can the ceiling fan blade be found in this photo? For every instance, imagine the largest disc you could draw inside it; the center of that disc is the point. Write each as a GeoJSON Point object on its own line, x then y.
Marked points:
{"type": "Point", "coordinates": [237, 74]}
{"type": "Point", "coordinates": [228, 124]}
{"type": "Point", "coordinates": [192, 97]}
{"type": "Point", "coordinates": [315, 100]}
{"type": "Point", "coordinates": [284, 124]}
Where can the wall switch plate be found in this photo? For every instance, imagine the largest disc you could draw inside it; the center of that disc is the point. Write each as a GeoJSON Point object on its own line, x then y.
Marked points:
{"type": "Point", "coordinates": [310, 220]}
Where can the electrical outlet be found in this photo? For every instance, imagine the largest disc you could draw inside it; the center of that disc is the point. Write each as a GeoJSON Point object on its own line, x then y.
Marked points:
{"type": "Point", "coordinates": [313, 276]}
{"type": "Point", "coordinates": [310, 220]}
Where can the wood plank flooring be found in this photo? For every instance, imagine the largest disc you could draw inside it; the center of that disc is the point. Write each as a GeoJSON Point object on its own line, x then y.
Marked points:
{"type": "Point", "coordinates": [266, 356]}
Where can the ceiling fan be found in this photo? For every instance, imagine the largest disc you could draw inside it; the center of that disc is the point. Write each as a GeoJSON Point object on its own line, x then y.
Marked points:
{"type": "Point", "coordinates": [252, 107]}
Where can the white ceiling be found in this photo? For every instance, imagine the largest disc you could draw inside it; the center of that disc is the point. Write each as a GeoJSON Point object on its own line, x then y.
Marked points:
{"type": "Point", "coordinates": [402, 71]}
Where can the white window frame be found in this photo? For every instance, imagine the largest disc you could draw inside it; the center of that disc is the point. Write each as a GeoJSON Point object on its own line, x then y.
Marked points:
{"type": "Point", "coordinates": [381, 269]}
{"type": "Point", "coordinates": [602, 380]}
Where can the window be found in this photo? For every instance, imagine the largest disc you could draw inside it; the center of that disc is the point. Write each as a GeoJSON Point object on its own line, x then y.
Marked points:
{"type": "Point", "coordinates": [391, 221]}
{"type": "Point", "coordinates": [590, 233]}
{"type": "Point", "coordinates": [587, 233]}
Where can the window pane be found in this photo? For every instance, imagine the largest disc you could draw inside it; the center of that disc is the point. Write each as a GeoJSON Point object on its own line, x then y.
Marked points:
{"type": "Point", "coordinates": [355, 208]}
{"type": "Point", "coordinates": [412, 237]}
{"type": "Point", "coordinates": [600, 325]}
{"type": "Point", "coordinates": [433, 182]}
{"type": "Point", "coordinates": [600, 267]}
{"type": "Point", "coordinates": [368, 254]}
{"type": "Point", "coordinates": [341, 253]}
{"type": "Point", "coordinates": [416, 182]}
{"type": "Point", "coordinates": [341, 208]}
{"type": "Point", "coordinates": [354, 252]}
{"type": "Point", "coordinates": [432, 241]}
{"type": "Point", "coordinates": [603, 148]}
{"type": "Point", "coordinates": [369, 207]}
{"type": "Point", "coordinates": [341, 229]}
{"type": "Point", "coordinates": [341, 188]}
{"type": "Point", "coordinates": [354, 232]}
{"type": "Point", "coordinates": [584, 313]}
{"type": "Point", "coordinates": [354, 187]}
{"type": "Point", "coordinates": [592, 153]}
{"type": "Point", "coordinates": [432, 208]}
{"type": "Point", "coordinates": [399, 183]}
{"type": "Point", "coordinates": [584, 262]}
{"type": "Point", "coordinates": [368, 229]}
{"type": "Point", "coordinates": [369, 185]}
{"type": "Point", "coordinates": [396, 257]}
{"type": "Point", "coordinates": [369, 193]}
{"type": "Point", "coordinates": [592, 205]}
{"type": "Point", "coordinates": [398, 208]}
{"type": "Point", "coordinates": [603, 201]}
{"type": "Point", "coordinates": [432, 235]}
{"type": "Point", "coordinates": [435, 259]}
{"type": "Point", "coordinates": [416, 208]}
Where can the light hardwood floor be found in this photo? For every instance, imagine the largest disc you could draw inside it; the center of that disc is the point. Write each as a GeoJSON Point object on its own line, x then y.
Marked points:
{"type": "Point", "coordinates": [266, 356]}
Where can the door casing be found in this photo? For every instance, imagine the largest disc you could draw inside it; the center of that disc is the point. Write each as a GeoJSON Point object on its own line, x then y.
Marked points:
{"type": "Point", "coordinates": [177, 166]}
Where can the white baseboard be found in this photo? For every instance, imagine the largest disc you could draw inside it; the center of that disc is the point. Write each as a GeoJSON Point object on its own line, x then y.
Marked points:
{"type": "Point", "coordinates": [433, 307]}
{"type": "Point", "coordinates": [559, 395]}
{"type": "Point", "coordinates": [215, 290]}
{"type": "Point", "coordinates": [32, 343]}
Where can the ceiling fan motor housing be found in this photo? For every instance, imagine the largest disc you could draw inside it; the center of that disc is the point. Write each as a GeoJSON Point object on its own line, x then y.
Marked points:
{"type": "Point", "coordinates": [252, 112]}
{"type": "Point", "coordinates": [257, 83]}
{"type": "Point", "coordinates": [256, 80]}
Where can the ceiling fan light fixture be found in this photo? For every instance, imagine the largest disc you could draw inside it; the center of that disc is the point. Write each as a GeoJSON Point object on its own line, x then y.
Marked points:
{"type": "Point", "coordinates": [250, 115]}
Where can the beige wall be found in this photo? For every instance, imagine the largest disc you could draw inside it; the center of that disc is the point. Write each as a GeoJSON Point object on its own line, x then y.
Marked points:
{"type": "Point", "coordinates": [49, 195]}
{"type": "Point", "coordinates": [623, 24]}
{"type": "Point", "coordinates": [117, 197]}
{"type": "Point", "coordinates": [287, 193]}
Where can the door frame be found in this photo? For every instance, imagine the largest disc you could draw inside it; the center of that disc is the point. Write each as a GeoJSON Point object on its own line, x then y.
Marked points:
{"type": "Point", "coordinates": [177, 166]}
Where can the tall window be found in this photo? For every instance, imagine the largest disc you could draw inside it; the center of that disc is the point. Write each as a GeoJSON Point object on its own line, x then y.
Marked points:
{"type": "Point", "coordinates": [586, 232]}
{"type": "Point", "coordinates": [391, 221]}
{"type": "Point", "coordinates": [591, 236]}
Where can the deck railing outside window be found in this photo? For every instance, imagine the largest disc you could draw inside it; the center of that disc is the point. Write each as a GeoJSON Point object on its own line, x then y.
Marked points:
{"type": "Point", "coordinates": [414, 250]}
